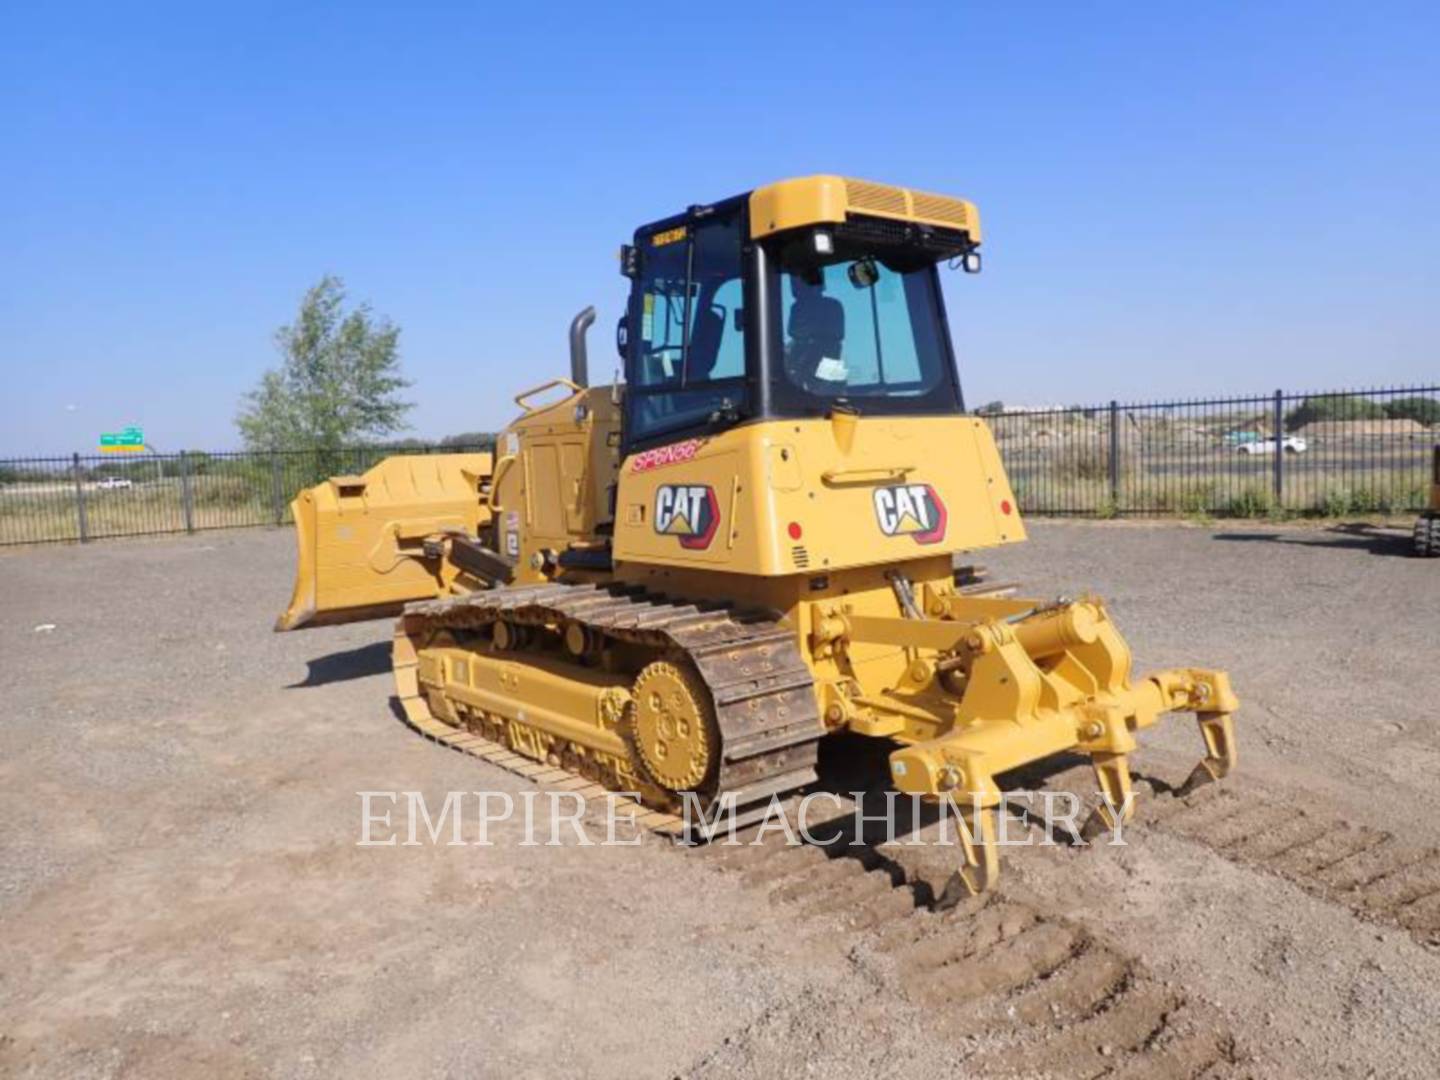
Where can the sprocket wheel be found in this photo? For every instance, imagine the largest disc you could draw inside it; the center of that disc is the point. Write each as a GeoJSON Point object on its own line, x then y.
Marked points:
{"type": "Point", "coordinates": [671, 725]}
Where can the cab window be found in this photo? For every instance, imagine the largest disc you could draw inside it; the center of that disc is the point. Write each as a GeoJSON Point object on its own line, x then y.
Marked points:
{"type": "Point", "coordinates": [688, 361]}
{"type": "Point", "coordinates": [857, 328]}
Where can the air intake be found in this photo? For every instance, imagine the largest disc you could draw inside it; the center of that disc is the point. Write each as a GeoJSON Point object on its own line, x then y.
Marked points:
{"type": "Point", "coordinates": [940, 208]}
{"type": "Point", "coordinates": [879, 198]}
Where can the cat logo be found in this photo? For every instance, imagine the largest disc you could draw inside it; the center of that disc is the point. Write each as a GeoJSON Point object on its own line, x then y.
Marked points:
{"type": "Point", "coordinates": [688, 511]}
{"type": "Point", "coordinates": [912, 510]}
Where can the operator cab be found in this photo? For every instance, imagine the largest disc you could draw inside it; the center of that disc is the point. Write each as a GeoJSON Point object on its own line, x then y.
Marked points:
{"type": "Point", "coordinates": [795, 300]}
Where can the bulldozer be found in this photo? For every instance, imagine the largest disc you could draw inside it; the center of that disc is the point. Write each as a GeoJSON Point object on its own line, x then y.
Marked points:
{"type": "Point", "coordinates": [680, 584]}
{"type": "Point", "coordinates": [1427, 525]}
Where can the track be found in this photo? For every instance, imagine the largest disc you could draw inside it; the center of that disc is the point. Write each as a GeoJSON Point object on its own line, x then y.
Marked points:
{"type": "Point", "coordinates": [1426, 535]}
{"type": "Point", "coordinates": [761, 687]}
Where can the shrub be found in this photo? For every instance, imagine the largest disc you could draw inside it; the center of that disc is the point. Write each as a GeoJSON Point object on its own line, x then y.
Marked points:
{"type": "Point", "coordinates": [1253, 502]}
{"type": "Point", "coordinates": [1422, 410]}
{"type": "Point", "coordinates": [1384, 499]}
{"type": "Point", "coordinates": [1085, 462]}
{"type": "Point", "coordinates": [1333, 407]}
{"type": "Point", "coordinates": [483, 440]}
{"type": "Point", "coordinates": [225, 491]}
{"type": "Point", "coordinates": [1169, 497]}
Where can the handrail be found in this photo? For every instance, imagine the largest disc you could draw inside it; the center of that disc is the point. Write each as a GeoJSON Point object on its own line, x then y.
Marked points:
{"type": "Point", "coordinates": [873, 475]}
{"type": "Point", "coordinates": [520, 398]}
{"type": "Point", "coordinates": [501, 468]}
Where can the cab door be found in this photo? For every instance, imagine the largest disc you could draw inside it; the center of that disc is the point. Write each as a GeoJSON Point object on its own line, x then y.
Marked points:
{"type": "Point", "coordinates": [686, 368]}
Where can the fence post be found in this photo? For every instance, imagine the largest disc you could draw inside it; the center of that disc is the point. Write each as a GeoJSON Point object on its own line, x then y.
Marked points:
{"type": "Point", "coordinates": [1279, 449]}
{"type": "Point", "coordinates": [275, 493]}
{"type": "Point", "coordinates": [1115, 455]}
{"type": "Point", "coordinates": [187, 497]}
{"type": "Point", "coordinates": [80, 502]}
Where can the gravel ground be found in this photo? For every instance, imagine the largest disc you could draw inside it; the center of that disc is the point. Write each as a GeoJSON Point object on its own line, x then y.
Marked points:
{"type": "Point", "coordinates": [181, 891]}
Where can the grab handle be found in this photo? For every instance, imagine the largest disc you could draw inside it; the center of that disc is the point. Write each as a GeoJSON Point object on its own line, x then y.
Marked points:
{"type": "Point", "coordinates": [877, 475]}
{"type": "Point", "coordinates": [501, 468]}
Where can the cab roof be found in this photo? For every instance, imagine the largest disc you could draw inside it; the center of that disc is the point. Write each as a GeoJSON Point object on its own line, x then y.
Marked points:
{"type": "Point", "coordinates": [824, 198]}
{"type": "Point", "coordinates": [814, 200]}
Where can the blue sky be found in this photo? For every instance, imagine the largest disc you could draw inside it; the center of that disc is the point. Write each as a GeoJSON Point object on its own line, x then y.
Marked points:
{"type": "Point", "coordinates": [1178, 199]}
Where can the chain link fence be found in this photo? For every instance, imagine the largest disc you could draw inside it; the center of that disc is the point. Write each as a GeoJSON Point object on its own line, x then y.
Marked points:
{"type": "Point", "coordinates": [1283, 454]}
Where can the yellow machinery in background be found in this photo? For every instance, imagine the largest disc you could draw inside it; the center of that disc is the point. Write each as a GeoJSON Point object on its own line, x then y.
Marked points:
{"type": "Point", "coordinates": [1427, 526]}
{"type": "Point", "coordinates": [681, 584]}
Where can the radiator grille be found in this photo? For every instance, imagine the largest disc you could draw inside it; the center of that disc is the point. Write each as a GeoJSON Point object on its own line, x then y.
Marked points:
{"type": "Point", "coordinates": [801, 556]}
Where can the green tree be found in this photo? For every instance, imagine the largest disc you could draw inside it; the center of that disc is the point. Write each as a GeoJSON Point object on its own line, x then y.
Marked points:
{"type": "Point", "coordinates": [1422, 410]}
{"type": "Point", "coordinates": [338, 382]}
{"type": "Point", "coordinates": [1333, 407]}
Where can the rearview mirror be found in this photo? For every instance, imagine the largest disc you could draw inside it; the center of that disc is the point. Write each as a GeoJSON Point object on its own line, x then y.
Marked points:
{"type": "Point", "coordinates": [622, 336]}
{"type": "Point", "coordinates": [863, 273]}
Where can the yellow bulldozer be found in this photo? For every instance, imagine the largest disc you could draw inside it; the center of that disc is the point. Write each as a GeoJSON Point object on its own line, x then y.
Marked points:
{"type": "Point", "coordinates": [1427, 525]}
{"type": "Point", "coordinates": [680, 584]}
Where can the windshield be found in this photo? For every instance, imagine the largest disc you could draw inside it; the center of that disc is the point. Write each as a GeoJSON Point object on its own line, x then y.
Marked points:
{"type": "Point", "coordinates": [856, 328]}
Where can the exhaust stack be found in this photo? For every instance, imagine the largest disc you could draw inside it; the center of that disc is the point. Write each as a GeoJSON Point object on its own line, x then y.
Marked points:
{"type": "Point", "coordinates": [579, 364]}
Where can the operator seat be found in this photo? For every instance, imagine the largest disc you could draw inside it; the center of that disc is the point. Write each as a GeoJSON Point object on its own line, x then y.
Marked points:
{"type": "Point", "coordinates": [816, 328]}
{"type": "Point", "coordinates": [705, 345]}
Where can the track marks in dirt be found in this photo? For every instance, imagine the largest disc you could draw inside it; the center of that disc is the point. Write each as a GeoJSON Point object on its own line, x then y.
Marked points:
{"type": "Point", "coordinates": [1049, 996]}
{"type": "Point", "coordinates": [1026, 990]}
{"type": "Point", "coordinates": [1378, 875]}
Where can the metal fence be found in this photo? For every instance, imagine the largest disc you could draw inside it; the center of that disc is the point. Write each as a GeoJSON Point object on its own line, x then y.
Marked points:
{"type": "Point", "coordinates": [1320, 454]}
{"type": "Point", "coordinates": [1284, 454]}
{"type": "Point", "coordinates": [90, 497]}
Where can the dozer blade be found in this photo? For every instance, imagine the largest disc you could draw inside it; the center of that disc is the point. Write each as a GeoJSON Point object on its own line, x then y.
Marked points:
{"type": "Point", "coordinates": [360, 540]}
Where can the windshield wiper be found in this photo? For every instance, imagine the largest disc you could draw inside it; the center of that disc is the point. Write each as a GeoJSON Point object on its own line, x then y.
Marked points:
{"type": "Point", "coordinates": [725, 414]}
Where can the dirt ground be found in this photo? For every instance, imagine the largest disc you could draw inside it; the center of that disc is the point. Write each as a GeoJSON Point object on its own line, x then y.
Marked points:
{"type": "Point", "coordinates": [181, 890]}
